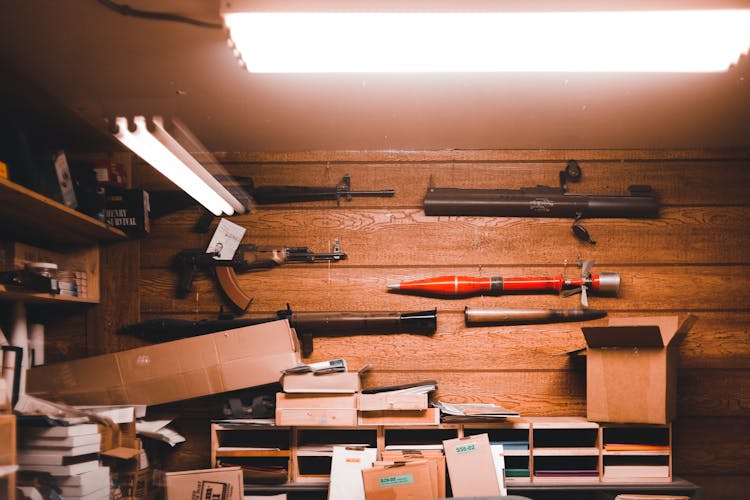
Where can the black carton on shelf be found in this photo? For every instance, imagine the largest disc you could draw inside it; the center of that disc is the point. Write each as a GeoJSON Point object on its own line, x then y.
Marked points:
{"type": "Point", "coordinates": [128, 210]}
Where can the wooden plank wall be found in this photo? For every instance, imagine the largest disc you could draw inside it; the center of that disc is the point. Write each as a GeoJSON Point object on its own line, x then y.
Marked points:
{"type": "Point", "coordinates": [694, 259]}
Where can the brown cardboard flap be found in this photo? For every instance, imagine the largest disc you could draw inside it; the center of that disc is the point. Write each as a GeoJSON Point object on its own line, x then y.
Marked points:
{"type": "Point", "coordinates": [122, 453]}
{"type": "Point", "coordinates": [623, 336]}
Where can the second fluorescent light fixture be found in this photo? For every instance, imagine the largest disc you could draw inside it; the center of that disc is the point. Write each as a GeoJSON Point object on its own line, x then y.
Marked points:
{"type": "Point", "coordinates": [160, 150]}
{"type": "Point", "coordinates": [420, 42]}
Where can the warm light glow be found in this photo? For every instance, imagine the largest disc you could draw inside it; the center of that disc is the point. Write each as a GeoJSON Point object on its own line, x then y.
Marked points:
{"type": "Point", "coordinates": [645, 41]}
{"type": "Point", "coordinates": [146, 145]}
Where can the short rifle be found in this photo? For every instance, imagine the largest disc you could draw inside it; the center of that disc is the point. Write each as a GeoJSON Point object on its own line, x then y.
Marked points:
{"type": "Point", "coordinates": [243, 188]}
{"type": "Point", "coordinates": [247, 258]}
{"type": "Point", "coordinates": [544, 201]}
{"type": "Point", "coordinates": [307, 325]}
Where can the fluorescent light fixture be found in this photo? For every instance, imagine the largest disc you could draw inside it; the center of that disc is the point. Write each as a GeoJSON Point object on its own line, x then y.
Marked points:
{"type": "Point", "coordinates": [165, 154]}
{"type": "Point", "coordinates": [414, 42]}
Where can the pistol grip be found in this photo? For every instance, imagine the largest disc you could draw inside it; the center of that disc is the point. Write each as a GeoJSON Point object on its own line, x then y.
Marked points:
{"type": "Point", "coordinates": [185, 285]}
{"type": "Point", "coordinates": [306, 344]}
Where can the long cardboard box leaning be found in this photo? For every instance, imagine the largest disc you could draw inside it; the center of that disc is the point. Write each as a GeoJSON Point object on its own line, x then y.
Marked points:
{"type": "Point", "coordinates": [631, 369]}
{"type": "Point", "coordinates": [172, 371]}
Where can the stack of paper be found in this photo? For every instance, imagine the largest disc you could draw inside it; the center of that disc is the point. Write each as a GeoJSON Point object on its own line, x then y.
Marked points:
{"type": "Point", "coordinates": [476, 411]}
{"type": "Point", "coordinates": [70, 454]}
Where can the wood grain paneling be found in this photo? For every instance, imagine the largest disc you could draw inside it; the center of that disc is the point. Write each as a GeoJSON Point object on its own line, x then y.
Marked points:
{"type": "Point", "coordinates": [693, 259]}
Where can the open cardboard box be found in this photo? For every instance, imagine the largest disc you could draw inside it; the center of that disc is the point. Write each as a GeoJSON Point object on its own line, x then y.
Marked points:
{"type": "Point", "coordinates": [172, 371]}
{"type": "Point", "coordinates": [631, 369]}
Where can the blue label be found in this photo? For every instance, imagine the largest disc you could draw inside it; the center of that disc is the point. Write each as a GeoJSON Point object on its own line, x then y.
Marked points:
{"type": "Point", "coordinates": [466, 448]}
{"type": "Point", "coordinates": [386, 482]}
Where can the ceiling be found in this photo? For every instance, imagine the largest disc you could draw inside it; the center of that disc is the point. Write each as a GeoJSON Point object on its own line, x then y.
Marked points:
{"type": "Point", "coordinates": [95, 63]}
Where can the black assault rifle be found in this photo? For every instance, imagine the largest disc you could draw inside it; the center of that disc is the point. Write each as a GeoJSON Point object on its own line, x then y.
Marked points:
{"type": "Point", "coordinates": [544, 201]}
{"type": "Point", "coordinates": [306, 324]}
{"type": "Point", "coordinates": [243, 188]}
{"type": "Point", "coordinates": [248, 257]}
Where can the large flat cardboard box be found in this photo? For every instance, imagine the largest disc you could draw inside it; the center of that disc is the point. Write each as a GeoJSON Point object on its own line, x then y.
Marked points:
{"type": "Point", "coordinates": [430, 416]}
{"type": "Point", "coordinates": [223, 483]}
{"type": "Point", "coordinates": [342, 382]}
{"type": "Point", "coordinates": [631, 369]}
{"type": "Point", "coordinates": [172, 371]}
{"type": "Point", "coordinates": [316, 409]}
{"type": "Point", "coordinates": [386, 401]}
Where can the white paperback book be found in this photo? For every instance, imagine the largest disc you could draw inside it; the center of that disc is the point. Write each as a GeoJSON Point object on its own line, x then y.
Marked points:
{"type": "Point", "coordinates": [62, 470]}
{"type": "Point", "coordinates": [498, 458]}
{"type": "Point", "coordinates": [96, 476]}
{"type": "Point", "coordinates": [61, 442]}
{"type": "Point", "coordinates": [56, 456]}
{"type": "Point", "coordinates": [346, 472]}
{"type": "Point", "coordinates": [60, 431]}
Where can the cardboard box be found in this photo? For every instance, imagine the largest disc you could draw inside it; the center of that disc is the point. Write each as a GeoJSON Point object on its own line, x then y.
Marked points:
{"type": "Point", "coordinates": [430, 416]}
{"type": "Point", "coordinates": [435, 456]}
{"type": "Point", "coordinates": [342, 382]}
{"type": "Point", "coordinates": [172, 371]}
{"type": "Point", "coordinates": [224, 483]}
{"type": "Point", "coordinates": [631, 369]}
{"type": "Point", "coordinates": [316, 409]}
{"type": "Point", "coordinates": [387, 401]}
{"type": "Point", "coordinates": [471, 467]}
{"type": "Point", "coordinates": [131, 474]}
{"type": "Point", "coordinates": [404, 481]}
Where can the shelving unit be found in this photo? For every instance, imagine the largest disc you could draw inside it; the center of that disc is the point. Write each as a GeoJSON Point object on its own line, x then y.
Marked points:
{"type": "Point", "coordinates": [59, 233]}
{"type": "Point", "coordinates": [7, 456]}
{"type": "Point", "coordinates": [565, 450]}
{"type": "Point", "coordinates": [559, 451]}
{"type": "Point", "coordinates": [631, 453]}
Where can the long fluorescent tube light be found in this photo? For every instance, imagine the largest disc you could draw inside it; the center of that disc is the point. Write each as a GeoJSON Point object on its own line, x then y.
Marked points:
{"type": "Point", "coordinates": [604, 41]}
{"type": "Point", "coordinates": [162, 152]}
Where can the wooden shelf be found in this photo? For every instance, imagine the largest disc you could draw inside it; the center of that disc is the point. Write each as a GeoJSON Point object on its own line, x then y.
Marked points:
{"type": "Point", "coordinates": [81, 259]}
{"type": "Point", "coordinates": [28, 216]}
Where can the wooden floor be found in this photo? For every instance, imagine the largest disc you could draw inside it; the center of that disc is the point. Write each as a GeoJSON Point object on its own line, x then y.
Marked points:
{"type": "Point", "coordinates": [695, 258]}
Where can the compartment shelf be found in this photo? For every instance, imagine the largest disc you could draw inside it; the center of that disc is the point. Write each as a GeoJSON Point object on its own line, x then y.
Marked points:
{"type": "Point", "coordinates": [547, 451]}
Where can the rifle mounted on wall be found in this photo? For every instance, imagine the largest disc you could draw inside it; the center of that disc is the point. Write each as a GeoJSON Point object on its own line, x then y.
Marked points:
{"type": "Point", "coordinates": [307, 325]}
{"type": "Point", "coordinates": [544, 201]}
{"type": "Point", "coordinates": [248, 257]}
{"type": "Point", "coordinates": [245, 190]}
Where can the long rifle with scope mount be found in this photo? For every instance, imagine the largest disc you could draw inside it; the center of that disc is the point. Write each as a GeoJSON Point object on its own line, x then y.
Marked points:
{"type": "Point", "coordinates": [544, 201]}
{"type": "Point", "coordinates": [245, 190]}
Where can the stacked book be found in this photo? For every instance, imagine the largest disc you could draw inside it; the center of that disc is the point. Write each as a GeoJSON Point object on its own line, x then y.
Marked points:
{"type": "Point", "coordinates": [70, 454]}
{"type": "Point", "coordinates": [403, 404]}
